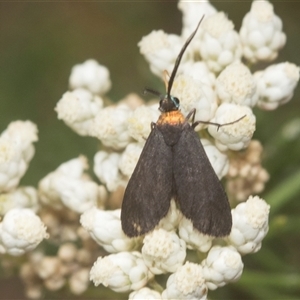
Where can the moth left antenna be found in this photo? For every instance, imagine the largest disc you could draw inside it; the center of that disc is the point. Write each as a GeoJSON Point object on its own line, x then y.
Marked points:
{"type": "Point", "coordinates": [173, 74]}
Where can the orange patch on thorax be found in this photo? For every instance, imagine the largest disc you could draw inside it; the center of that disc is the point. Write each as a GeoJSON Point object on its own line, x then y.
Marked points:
{"type": "Point", "coordinates": [172, 117]}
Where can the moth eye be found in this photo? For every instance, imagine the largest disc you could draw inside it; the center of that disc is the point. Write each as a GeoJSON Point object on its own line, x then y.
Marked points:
{"type": "Point", "coordinates": [175, 101]}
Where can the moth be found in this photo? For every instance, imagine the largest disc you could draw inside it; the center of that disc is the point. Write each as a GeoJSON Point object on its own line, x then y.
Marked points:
{"type": "Point", "coordinates": [173, 164]}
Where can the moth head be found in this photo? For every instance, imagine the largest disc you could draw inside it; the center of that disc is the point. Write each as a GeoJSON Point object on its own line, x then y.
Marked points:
{"type": "Point", "coordinates": [168, 103]}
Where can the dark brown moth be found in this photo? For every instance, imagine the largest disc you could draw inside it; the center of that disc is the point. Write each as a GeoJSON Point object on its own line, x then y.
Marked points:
{"type": "Point", "coordinates": [173, 164]}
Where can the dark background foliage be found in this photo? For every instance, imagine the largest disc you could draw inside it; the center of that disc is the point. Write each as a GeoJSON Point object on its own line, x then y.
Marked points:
{"type": "Point", "coordinates": [41, 41]}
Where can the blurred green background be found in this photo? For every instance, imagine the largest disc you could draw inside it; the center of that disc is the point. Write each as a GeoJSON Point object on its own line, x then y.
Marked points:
{"type": "Point", "coordinates": [41, 41]}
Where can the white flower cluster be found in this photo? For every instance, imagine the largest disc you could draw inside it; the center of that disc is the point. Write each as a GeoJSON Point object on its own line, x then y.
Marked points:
{"type": "Point", "coordinates": [21, 229]}
{"type": "Point", "coordinates": [250, 225]}
{"type": "Point", "coordinates": [246, 174]}
{"type": "Point", "coordinates": [105, 228]}
{"type": "Point", "coordinates": [261, 32]}
{"type": "Point", "coordinates": [187, 282]}
{"type": "Point", "coordinates": [223, 90]}
{"type": "Point", "coordinates": [70, 266]}
{"type": "Point", "coordinates": [16, 151]}
{"type": "Point", "coordinates": [121, 272]}
{"type": "Point", "coordinates": [68, 186]}
{"type": "Point", "coordinates": [83, 217]}
{"type": "Point", "coordinates": [78, 109]}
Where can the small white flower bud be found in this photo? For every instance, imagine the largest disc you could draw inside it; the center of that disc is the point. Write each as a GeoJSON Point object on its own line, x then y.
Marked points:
{"type": "Point", "coordinates": [55, 283]}
{"type": "Point", "coordinates": [139, 123]}
{"type": "Point", "coordinates": [222, 265]}
{"type": "Point", "coordinates": [218, 160]}
{"type": "Point", "coordinates": [34, 291]}
{"type": "Point", "coordinates": [78, 110]}
{"type": "Point", "coordinates": [186, 283]}
{"type": "Point", "coordinates": [145, 294]}
{"type": "Point", "coordinates": [27, 273]}
{"type": "Point", "coordinates": [16, 151]}
{"type": "Point", "coordinates": [67, 252]}
{"type": "Point", "coordinates": [106, 167]}
{"type": "Point", "coordinates": [246, 175]}
{"type": "Point", "coordinates": [192, 11]}
{"type": "Point", "coordinates": [84, 256]}
{"type": "Point", "coordinates": [79, 281]}
{"type": "Point", "coordinates": [193, 238]}
{"type": "Point", "coordinates": [235, 84]}
{"type": "Point", "coordinates": [171, 220]}
{"type": "Point", "coordinates": [22, 197]}
{"type": "Point", "coordinates": [111, 126]}
{"type": "Point", "coordinates": [220, 43]}
{"type": "Point", "coordinates": [163, 251]}
{"type": "Point", "coordinates": [249, 225]}
{"type": "Point", "coordinates": [23, 133]}
{"type": "Point", "coordinates": [160, 50]}
{"type": "Point", "coordinates": [261, 33]}
{"type": "Point", "coordinates": [12, 165]}
{"type": "Point", "coordinates": [129, 158]}
{"type": "Point", "coordinates": [235, 136]}
{"type": "Point", "coordinates": [21, 231]}
{"type": "Point", "coordinates": [105, 228]}
{"type": "Point", "coordinates": [194, 94]}
{"type": "Point", "coordinates": [69, 185]}
{"type": "Point", "coordinates": [90, 75]}
{"type": "Point", "coordinates": [48, 266]}
{"type": "Point", "coordinates": [133, 100]}
{"type": "Point", "coordinates": [121, 272]}
{"type": "Point", "coordinates": [276, 84]}
{"type": "Point", "coordinates": [200, 72]}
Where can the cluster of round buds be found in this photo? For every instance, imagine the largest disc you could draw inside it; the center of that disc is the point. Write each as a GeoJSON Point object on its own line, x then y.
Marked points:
{"type": "Point", "coordinates": [221, 266]}
{"type": "Point", "coordinates": [69, 186]}
{"type": "Point", "coordinates": [90, 76]}
{"type": "Point", "coordinates": [78, 109]}
{"type": "Point", "coordinates": [16, 151]}
{"type": "Point", "coordinates": [121, 272]}
{"type": "Point", "coordinates": [246, 175]}
{"type": "Point", "coordinates": [249, 225]}
{"type": "Point", "coordinates": [187, 282]}
{"type": "Point", "coordinates": [21, 229]}
{"type": "Point", "coordinates": [276, 84]}
{"type": "Point", "coordinates": [160, 50]}
{"type": "Point", "coordinates": [261, 33]}
{"type": "Point", "coordinates": [163, 251]}
{"type": "Point", "coordinates": [76, 252]}
{"type": "Point", "coordinates": [191, 11]}
{"type": "Point", "coordinates": [21, 197]}
{"type": "Point", "coordinates": [70, 266]}
{"type": "Point", "coordinates": [82, 108]}
{"type": "Point", "coordinates": [105, 228]}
